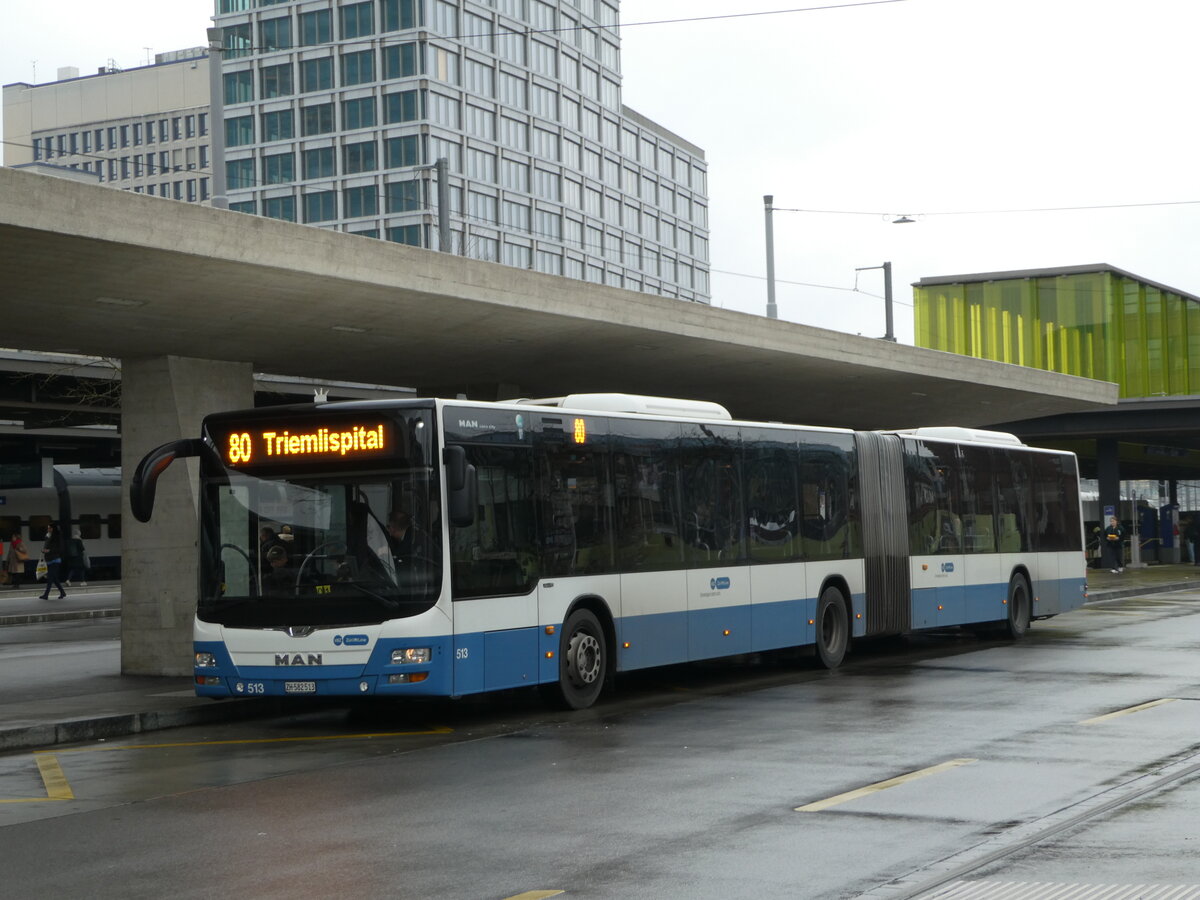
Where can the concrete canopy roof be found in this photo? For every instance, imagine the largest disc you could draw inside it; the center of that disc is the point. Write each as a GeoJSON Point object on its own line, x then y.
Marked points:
{"type": "Point", "coordinates": [93, 270]}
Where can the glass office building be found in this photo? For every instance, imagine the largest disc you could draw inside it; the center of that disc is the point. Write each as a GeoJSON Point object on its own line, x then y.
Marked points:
{"type": "Point", "coordinates": [335, 113]}
{"type": "Point", "coordinates": [1094, 321]}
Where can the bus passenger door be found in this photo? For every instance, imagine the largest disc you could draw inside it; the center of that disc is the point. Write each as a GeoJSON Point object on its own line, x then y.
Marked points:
{"type": "Point", "coordinates": [648, 543]}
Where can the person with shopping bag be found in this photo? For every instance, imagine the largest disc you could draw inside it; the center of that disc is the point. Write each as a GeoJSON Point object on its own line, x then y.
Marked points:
{"type": "Point", "coordinates": [52, 553]}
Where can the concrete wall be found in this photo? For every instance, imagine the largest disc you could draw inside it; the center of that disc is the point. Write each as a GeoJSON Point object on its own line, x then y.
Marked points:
{"type": "Point", "coordinates": [165, 399]}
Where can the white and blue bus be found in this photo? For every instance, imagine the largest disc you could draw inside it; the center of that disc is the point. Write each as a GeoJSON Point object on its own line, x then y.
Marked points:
{"type": "Point", "coordinates": [449, 547]}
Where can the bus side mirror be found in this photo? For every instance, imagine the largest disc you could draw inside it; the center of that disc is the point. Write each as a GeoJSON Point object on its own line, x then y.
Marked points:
{"type": "Point", "coordinates": [145, 477]}
{"type": "Point", "coordinates": [460, 487]}
{"type": "Point", "coordinates": [455, 459]}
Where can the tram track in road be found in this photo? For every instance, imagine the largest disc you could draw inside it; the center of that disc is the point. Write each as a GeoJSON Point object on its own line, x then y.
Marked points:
{"type": "Point", "coordinates": [925, 883]}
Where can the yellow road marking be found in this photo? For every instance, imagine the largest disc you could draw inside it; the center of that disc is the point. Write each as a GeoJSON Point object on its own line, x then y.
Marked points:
{"type": "Point", "coordinates": [883, 785]}
{"type": "Point", "coordinates": [283, 740]}
{"type": "Point", "coordinates": [53, 778]}
{"type": "Point", "coordinates": [1125, 712]}
{"type": "Point", "coordinates": [57, 787]}
{"type": "Point", "coordinates": [535, 895]}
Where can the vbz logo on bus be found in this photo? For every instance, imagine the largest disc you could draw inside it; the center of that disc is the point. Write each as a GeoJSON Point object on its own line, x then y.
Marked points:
{"type": "Point", "coordinates": [947, 567]}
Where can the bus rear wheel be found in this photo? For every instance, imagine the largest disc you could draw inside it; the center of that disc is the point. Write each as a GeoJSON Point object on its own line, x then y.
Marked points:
{"type": "Point", "coordinates": [1019, 608]}
{"type": "Point", "coordinates": [833, 628]}
{"type": "Point", "coordinates": [582, 662]}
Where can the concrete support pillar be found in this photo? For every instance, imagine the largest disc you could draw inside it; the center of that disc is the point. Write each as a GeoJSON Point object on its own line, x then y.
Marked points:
{"type": "Point", "coordinates": [1108, 472]}
{"type": "Point", "coordinates": [164, 399]}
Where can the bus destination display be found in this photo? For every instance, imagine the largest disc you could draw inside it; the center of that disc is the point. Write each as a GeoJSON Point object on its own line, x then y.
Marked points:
{"type": "Point", "coordinates": [280, 445]}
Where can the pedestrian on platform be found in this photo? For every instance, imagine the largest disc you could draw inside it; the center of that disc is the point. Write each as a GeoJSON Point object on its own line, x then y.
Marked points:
{"type": "Point", "coordinates": [77, 560]}
{"type": "Point", "coordinates": [52, 553]}
{"type": "Point", "coordinates": [1114, 550]}
{"type": "Point", "coordinates": [14, 561]}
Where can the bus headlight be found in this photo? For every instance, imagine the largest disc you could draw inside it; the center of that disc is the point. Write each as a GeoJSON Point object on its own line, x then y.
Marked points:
{"type": "Point", "coordinates": [410, 655]}
{"type": "Point", "coordinates": [205, 661]}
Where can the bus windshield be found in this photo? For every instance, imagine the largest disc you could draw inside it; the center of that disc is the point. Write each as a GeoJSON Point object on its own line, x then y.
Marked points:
{"type": "Point", "coordinates": [320, 550]}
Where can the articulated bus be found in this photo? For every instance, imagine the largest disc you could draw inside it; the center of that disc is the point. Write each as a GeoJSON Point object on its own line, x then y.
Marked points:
{"type": "Point", "coordinates": [448, 547]}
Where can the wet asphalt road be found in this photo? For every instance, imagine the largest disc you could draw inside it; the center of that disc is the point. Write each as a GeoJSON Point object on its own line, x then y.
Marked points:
{"type": "Point", "coordinates": [936, 764]}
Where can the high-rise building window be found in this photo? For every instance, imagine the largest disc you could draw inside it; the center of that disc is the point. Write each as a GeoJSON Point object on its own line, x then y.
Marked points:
{"type": "Point", "coordinates": [239, 173]}
{"type": "Point", "coordinates": [279, 168]}
{"type": "Point", "coordinates": [405, 234]}
{"type": "Point", "coordinates": [237, 41]}
{"type": "Point", "coordinates": [358, 67]}
{"type": "Point", "coordinates": [361, 201]}
{"type": "Point", "coordinates": [358, 20]}
{"type": "Point", "coordinates": [400, 60]}
{"type": "Point", "coordinates": [316, 28]}
{"type": "Point", "coordinates": [402, 151]}
{"type": "Point", "coordinates": [275, 34]}
{"type": "Point", "coordinates": [399, 15]}
{"type": "Point", "coordinates": [239, 88]}
{"type": "Point", "coordinates": [239, 131]}
{"type": "Point", "coordinates": [403, 196]}
{"type": "Point", "coordinates": [319, 163]}
{"type": "Point", "coordinates": [403, 106]}
{"type": "Point", "coordinates": [510, 45]}
{"type": "Point", "coordinates": [278, 125]}
{"type": "Point", "coordinates": [358, 113]}
{"type": "Point", "coordinates": [244, 206]}
{"type": "Point", "coordinates": [316, 74]}
{"type": "Point", "coordinates": [541, 15]}
{"type": "Point", "coordinates": [280, 208]}
{"type": "Point", "coordinates": [477, 32]}
{"type": "Point", "coordinates": [317, 119]}
{"type": "Point", "coordinates": [445, 17]}
{"type": "Point", "coordinates": [359, 157]}
{"type": "Point", "coordinates": [320, 207]}
{"type": "Point", "coordinates": [277, 81]}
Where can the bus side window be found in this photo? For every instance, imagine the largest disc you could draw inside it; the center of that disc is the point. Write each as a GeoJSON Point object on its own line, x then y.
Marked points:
{"type": "Point", "coordinates": [646, 475]}
{"type": "Point", "coordinates": [934, 506]}
{"type": "Point", "coordinates": [497, 554]}
{"type": "Point", "coordinates": [979, 502]}
{"type": "Point", "coordinates": [829, 472]}
{"type": "Point", "coordinates": [1011, 470]}
{"type": "Point", "coordinates": [712, 512]}
{"type": "Point", "coordinates": [771, 473]}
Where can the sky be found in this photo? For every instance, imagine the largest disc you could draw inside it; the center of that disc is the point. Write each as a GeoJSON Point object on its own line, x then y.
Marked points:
{"type": "Point", "coordinates": [964, 115]}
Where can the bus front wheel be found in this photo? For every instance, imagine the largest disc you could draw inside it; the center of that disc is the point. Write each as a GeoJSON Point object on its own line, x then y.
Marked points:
{"type": "Point", "coordinates": [1019, 608]}
{"type": "Point", "coordinates": [582, 662]}
{"type": "Point", "coordinates": [833, 628]}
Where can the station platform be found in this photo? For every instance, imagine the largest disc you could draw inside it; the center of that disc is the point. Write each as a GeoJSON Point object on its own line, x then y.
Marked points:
{"type": "Point", "coordinates": [58, 688]}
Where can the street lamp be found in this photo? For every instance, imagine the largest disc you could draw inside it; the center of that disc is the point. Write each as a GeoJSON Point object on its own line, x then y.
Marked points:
{"type": "Point", "coordinates": [887, 296]}
{"type": "Point", "coordinates": [772, 309]}
{"type": "Point", "coordinates": [216, 115]}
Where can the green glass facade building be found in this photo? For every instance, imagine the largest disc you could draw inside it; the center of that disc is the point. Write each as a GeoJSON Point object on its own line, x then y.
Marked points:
{"type": "Point", "coordinates": [1094, 321]}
